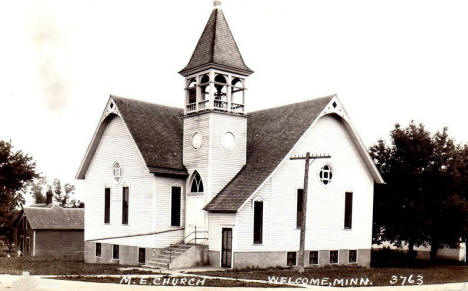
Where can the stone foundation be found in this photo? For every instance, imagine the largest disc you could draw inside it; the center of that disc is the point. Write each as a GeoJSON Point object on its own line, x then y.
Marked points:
{"type": "Point", "coordinates": [128, 255]}
{"type": "Point", "coordinates": [279, 259]}
{"type": "Point", "coordinates": [214, 258]}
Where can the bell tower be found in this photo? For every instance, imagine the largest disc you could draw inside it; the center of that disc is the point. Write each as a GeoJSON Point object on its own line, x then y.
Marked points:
{"type": "Point", "coordinates": [215, 120]}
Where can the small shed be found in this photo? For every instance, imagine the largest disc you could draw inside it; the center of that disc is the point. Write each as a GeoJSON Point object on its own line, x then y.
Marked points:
{"type": "Point", "coordinates": [50, 230]}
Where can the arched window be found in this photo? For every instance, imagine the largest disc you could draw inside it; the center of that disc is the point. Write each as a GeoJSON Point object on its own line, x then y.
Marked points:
{"type": "Point", "coordinates": [197, 183]}
{"type": "Point", "coordinates": [192, 91]}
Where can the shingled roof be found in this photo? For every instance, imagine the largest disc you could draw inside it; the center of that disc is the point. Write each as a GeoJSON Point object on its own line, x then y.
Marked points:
{"type": "Point", "coordinates": [216, 48]}
{"type": "Point", "coordinates": [157, 131]}
{"type": "Point", "coordinates": [271, 134]}
{"type": "Point", "coordinates": [55, 217]}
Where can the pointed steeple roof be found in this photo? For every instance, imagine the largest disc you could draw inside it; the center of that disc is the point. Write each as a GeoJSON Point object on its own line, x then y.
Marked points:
{"type": "Point", "coordinates": [217, 48]}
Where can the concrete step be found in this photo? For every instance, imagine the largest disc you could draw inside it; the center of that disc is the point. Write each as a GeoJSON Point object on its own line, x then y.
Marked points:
{"type": "Point", "coordinates": [180, 246]}
{"type": "Point", "coordinates": [162, 260]}
{"type": "Point", "coordinates": [158, 265]}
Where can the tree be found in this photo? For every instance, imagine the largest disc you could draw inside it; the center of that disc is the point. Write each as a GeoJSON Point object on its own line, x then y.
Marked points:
{"type": "Point", "coordinates": [422, 201]}
{"type": "Point", "coordinates": [63, 194]}
{"type": "Point", "coordinates": [398, 203]}
{"type": "Point", "coordinates": [37, 188]}
{"type": "Point", "coordinates": [16, 170]}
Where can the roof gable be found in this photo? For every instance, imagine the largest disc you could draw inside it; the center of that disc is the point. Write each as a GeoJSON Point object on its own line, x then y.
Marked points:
{"type": "Point", "coordinates": [216, 47]}
{"type": "Point", "coordinates": [55, 217]}
{"type": "Point", "coordinates": [271, 134]}
{"type": "Point", "coordinates": [156, 130]}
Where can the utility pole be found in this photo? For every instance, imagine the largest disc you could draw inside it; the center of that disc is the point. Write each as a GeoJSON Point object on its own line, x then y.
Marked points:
{"type": "Point", "coordinates": [307, 159]}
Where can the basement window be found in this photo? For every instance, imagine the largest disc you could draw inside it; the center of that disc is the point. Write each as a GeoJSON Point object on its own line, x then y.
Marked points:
{"type": "Point", "coordinates": [141, 255]}
{"type": "Point", "coordinates": [352, 256]}
{"type": "Point", "coordinates": [291, 259]}
{"type": "Point", "coordinates": [313, 258]}
{"type": "Point", "coordinates": [333, 257]}
{"type": "Point", "coordinates": [98, 250]}
{"type": "Point", "coordinates": [115, 252]}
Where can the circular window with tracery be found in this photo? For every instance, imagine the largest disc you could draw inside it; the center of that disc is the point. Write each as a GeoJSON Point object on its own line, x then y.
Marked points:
{"type": "Point", "coordinates": [117, 172]}
{"type": "Point", "coordinates": [326, 174]}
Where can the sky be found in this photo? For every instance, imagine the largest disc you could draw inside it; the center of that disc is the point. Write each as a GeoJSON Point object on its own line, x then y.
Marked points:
{"type": "Point", "coordinates": [388, 61]}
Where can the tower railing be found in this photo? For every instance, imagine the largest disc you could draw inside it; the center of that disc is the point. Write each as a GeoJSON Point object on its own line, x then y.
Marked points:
{"type": "Point", "coordinates": [218, 105]}
{"type": "Point", "coordinates": [221, 105]}
{"type": "Point", "coordinates": [191, 107]}
{"type": "Point", "coordinates": [203, 105]}
{"type": "Point", "coordinates": [237, 108]}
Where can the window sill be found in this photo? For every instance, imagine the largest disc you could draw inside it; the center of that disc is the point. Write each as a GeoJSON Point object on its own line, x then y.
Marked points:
{"type": "Point", "coordinates": [347, 228]}
{"type": "Point", "coordinates": [257, 244]}
{"type": "Point", "coordinates": [115, 259]}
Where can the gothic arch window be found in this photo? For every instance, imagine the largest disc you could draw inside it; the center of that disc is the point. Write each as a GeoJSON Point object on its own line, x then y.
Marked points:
{"type": "Point", "coordinates": [192, 90]}
{"type": "Point", "coordinates": [221, 87]}
{"type": "Point", "coordinates": [197, 183]}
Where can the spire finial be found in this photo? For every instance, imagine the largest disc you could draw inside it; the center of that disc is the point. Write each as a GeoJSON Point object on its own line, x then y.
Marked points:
{"type": "Point", "coordinates": [217, 4]}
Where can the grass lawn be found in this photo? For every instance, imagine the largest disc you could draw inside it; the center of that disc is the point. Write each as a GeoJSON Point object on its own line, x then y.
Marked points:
{"type": "Point", "coordinates": [378, 276]}
{"type": "Point", "coordinates": [48, 266]}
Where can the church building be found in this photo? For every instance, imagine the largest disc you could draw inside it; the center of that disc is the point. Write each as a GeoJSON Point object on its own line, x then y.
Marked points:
{"type": "Point", "coordinates": [213, 184]}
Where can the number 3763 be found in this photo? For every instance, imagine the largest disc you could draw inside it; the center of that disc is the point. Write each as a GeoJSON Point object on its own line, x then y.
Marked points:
{"type": "Point", "coordinates": [407, 280]}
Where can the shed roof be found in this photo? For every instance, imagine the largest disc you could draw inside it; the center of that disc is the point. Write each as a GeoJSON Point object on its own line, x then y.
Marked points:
{"type": "Point", "coordinates": [55, 217]}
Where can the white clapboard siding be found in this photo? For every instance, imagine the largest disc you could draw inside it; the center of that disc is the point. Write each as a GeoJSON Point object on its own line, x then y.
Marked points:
{"type": "Point", "coordinates": [217, 165]}
{"type": "Point", "coordinates": [325, 208]}
{"type": "Point", "coordinates": [146, 192]}
{"type": "Point", "coordinates": [196, 160]}
{"type": "Point", "coordinates": [163, 205]}
{"type": "Point", "coordinates": [217, 222]}
{"type": "Point", "coordinates": [226, 163]}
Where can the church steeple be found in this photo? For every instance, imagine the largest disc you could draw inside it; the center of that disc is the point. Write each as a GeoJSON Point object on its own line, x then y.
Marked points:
{"type": "Point", "coordinates": [215, 120]}
{"type": "Point", "coordinates": [215, 75]}
{"type": "Point", "coordinates": [216, 47]}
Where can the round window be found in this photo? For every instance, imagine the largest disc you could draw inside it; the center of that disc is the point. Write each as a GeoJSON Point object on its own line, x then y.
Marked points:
{"type": "Point", "coordinates": [196, 140]}
{"type": "Point", "coordinates": [326, 174]}
{"type": "Point", "coordinates": [229, 140]}
{"type": "Point", "coordinates": [117, 172]}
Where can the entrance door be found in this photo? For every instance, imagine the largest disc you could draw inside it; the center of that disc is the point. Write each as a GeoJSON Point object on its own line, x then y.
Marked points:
{"type": "Point", "coordinates": [226, 248]}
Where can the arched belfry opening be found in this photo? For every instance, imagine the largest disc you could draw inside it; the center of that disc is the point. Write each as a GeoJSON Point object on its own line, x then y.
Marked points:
{"type": "Point", "coordinates": [216, 70]}
{"type": "Point", "coordinates": [197, 183]}
{"type": "Point", "coordinates": [192, 91]}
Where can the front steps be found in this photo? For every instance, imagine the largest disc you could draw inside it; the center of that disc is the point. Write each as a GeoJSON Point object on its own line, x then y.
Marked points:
{"type": "Point", "coordinates": [179, 256]}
